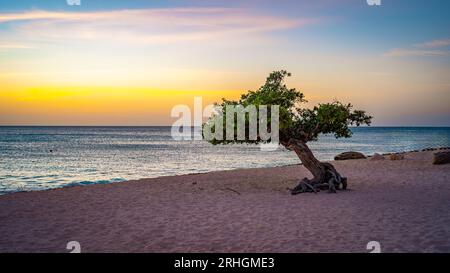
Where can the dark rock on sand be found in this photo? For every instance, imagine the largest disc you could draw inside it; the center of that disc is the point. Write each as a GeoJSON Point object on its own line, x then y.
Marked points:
{"type": "Point", "coordinates": [377, 156]}
{"type": "Point", "coordinates": [396, 157]}
{"type": "Point", "coordinates": [441, 158]}
{"type": "Point", "coordinates": [349, 155]}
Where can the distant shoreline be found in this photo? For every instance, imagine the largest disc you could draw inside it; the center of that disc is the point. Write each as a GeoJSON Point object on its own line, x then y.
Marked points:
{"type": "Point", "coordinates": [432, 149]}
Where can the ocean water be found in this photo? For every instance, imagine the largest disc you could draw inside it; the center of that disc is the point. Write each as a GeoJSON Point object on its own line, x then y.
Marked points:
{"type": "Point", "coordinates": [38, 158]}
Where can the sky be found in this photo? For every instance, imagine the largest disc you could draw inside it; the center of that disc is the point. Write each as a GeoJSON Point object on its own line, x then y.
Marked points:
{"type": "Point", "coordinates": [130, 62]}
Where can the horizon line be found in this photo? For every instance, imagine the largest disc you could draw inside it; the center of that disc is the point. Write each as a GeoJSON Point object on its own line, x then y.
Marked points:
{"type": "Point", "coordinates": [373, 126]}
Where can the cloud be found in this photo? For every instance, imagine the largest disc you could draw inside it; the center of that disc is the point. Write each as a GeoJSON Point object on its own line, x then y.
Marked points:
{"type": "Point", "coordinates": [400, 52]}
{"type": "Point", "coordinates": [436, 44]}
{"type": "Point", "coordinates": [145, 26]}
{"type": "Point", "coordinates": [427, 49]}
{"type": "Point", "coordinates": [7, 46]}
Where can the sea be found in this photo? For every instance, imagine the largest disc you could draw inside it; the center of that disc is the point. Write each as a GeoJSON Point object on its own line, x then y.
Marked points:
{"type": "Point", "coordinates": [39, 158]}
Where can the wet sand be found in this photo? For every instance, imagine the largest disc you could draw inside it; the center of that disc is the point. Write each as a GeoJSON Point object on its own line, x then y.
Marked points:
{"type": "Point", "coordinates": [404, 205]}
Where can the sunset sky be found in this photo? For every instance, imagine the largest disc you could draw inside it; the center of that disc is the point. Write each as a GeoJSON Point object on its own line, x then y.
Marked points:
{"type": "Point", "coordinates": [120, 62]}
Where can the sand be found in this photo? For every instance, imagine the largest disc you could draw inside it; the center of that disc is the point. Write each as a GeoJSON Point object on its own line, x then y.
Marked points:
{"type": "Point", "coordinates": [404, 205]}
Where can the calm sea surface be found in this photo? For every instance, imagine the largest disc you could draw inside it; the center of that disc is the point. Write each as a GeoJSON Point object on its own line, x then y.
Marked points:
{"type": "Point", "coordinates": [37, 158]}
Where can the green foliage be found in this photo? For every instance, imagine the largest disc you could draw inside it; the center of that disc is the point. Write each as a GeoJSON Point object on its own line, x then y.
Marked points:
{"type": "Point", "coordinates": [329, 118]}
{"type": "Point", "coordinates": [295, 122]}
{"type": "Point", "coordinates": [274, 92]}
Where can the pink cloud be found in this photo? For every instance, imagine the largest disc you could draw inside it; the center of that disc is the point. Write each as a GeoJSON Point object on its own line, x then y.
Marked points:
{"type": "Point", "coordinates": [431, 48]}
{"type": "Point", "coordinates": [436, 44]}
{"type": "Point", "coordinates": [399, 52]}
{"type": "Point", "coordinates": [147, 26]}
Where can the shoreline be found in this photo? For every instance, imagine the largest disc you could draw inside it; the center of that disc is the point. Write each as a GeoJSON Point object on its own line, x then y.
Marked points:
{"type": "Point", "coordinates": [91, 183]}
{"type": "Point", "coordinates": [402, 204]}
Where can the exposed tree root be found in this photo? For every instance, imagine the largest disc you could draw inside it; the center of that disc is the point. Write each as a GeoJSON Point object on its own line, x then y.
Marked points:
{"type": "Point", "coordinates": [330, 180]}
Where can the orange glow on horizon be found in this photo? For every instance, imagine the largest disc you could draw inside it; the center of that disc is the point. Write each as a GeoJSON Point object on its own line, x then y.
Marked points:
{"type": "Point", "coordinates": [99, 105]}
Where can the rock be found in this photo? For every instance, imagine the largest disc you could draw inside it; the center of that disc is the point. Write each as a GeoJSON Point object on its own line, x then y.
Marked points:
{"type": "Point", "coordinates": [377, 157]}
{"type": "Point", "coordinates": [441, 158]}
{"type": "Point", "coordinates": [349, 155]}
{"type": "Point", "coordinates": [396, 157]}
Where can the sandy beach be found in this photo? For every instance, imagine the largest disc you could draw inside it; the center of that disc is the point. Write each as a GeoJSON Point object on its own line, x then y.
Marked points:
{"type": "Point", "coordinates": [404, 205]}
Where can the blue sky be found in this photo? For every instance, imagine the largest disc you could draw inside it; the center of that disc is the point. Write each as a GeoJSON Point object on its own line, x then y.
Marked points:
{"type": "Point", "coordinates": [393, 59]}
{"type": "Point", "coordinates": [395, 21]}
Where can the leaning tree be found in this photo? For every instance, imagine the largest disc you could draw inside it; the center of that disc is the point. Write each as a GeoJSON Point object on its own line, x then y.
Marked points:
{"type": "Point", "coordinates": [297, 126]}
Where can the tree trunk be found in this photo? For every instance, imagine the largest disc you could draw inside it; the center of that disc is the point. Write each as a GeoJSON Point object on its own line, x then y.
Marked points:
{"type": "Point", "coordinates": [309, 160]}
{"type": "Point", "coordinates": [324, 174]}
